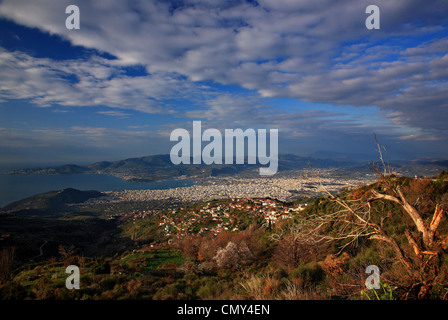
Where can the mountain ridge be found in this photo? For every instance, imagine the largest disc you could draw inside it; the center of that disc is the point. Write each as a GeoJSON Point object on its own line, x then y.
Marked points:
{"type": "Point", "coordinates": [50, 203]}
{"type": "Point", "coordinates": [159, 167]}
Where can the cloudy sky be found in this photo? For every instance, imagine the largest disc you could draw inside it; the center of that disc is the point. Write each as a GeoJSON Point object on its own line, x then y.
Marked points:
{"type": "Point", "coordinates": [137, 69]}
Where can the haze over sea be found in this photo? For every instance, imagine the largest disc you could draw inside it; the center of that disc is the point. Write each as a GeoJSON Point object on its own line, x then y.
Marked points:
{"type": "Point", "coordinates": [16, 187]}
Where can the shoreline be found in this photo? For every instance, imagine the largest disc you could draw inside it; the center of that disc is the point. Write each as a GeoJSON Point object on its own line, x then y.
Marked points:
{"type": "Point", "coordinates": [21, 186]}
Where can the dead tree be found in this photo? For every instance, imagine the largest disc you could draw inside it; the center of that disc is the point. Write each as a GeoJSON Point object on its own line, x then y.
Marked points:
{"type": "Point", "coordinates": [292, 248]}
{"type": "Point", "coordinates": [357, 218]}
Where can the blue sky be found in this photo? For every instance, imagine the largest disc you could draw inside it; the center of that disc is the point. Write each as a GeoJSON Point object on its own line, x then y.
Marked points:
{"type": "Point", "coordinates": [136, 70]}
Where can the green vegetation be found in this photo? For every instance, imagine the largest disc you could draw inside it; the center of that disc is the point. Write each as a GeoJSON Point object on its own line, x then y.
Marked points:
{"type": "Point", "coordinates": [51, 203]}
{"type": "Point", "coordinates": [226, 250]}
{"type": "Point", "coordinates": [142, 261]}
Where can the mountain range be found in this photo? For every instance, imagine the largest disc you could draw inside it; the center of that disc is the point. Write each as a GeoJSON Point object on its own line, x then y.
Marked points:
{"type": "Point", "coordinates": [160, 167]}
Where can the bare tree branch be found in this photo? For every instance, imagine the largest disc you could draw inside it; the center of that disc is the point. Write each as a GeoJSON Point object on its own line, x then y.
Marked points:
{"type": "Point", "coordinates": [365, 217]}
{"type": "Point", "coordinates": [436, 218]}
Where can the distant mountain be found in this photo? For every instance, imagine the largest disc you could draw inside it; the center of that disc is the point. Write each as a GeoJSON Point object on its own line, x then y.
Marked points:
{"type": "Point", "coordinates": [340, 156]}
{"type": "Point", "coordinates": [64, 169]}
{"type": "Point", "coordinates": [53, 202]}
{"type": "Point", "coordinates": [430, 161]}
{"type": "Point", "coordinates": [159, 167]}
{"type": "Point", "coordinates": [293, 162]}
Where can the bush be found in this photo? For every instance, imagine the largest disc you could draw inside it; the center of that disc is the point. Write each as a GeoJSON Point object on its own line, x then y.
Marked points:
{"type": "Point", "coordinates": [100, 266]}
{"type": "Point", "coordinates": [233, 256]}
{"type": "Point", "coordinates": [108, 283]}
{"type": "Point", "coordinates": [207, 291]}
{"type": "Point", "coordinates": [12, 290]}
{"type": "Point", "coordinates": [364, 258]}
{"type": "Point", "coordinates": [310, 274]}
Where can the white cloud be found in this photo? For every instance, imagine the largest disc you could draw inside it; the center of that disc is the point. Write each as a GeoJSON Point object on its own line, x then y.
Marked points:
{"type": "Point", "coordinates": [421, 137]}
{"type": "Point", "coordinates": [317, 51]}
{"type": "Point", "coordinates": [95, 82]}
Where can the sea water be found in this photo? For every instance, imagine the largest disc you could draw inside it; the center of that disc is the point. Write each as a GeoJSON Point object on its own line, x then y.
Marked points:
{"type": "Point", "coordinates": [19, 186]}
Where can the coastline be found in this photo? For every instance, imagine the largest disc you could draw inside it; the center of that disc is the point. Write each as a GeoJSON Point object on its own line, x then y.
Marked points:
{"type": "Point", "coordinates": [19, 186]}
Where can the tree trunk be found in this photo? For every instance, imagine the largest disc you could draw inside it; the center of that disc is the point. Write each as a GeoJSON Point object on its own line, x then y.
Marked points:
{"type": "Point", "coordinates": [396, 248]}
{"type": "Point", "coordinates": [410, 210]}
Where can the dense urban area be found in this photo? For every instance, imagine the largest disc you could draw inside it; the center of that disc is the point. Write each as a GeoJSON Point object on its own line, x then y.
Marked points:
{"type": "Point", "coordinates": [303, 184]}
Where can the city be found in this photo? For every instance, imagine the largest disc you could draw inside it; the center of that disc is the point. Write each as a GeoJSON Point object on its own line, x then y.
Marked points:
{"type": "Point", "coordinates": [304, 183]}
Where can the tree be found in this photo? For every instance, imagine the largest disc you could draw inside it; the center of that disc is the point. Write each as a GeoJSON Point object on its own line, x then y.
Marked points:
{"type": "Point", "coordinates": [233, 255]}
{"type": "Point", "coordinates": [364, 216]}
{"type": "Point", "coordinates": [292, 248]}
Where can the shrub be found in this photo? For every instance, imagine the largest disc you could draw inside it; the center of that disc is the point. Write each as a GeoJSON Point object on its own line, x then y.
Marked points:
{"type": "Point", "coordinates": [108, 283]}
{"type": "Point", "coordinates": [310, 274]}
{"type": "Point", "coordinates": [100, 266]}
{"type": "Point", "coordinates": [207, 291]}
{"type": "Point", "coordinates": [334, 265]}
{"type": "Point", "coordinates": [12, 290]}
{"type": "Point", "coordinates": [233, 256]}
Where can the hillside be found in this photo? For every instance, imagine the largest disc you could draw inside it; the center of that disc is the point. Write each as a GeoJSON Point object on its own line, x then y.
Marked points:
{"type": "Point", "coordinates": [234, 249]}
{"type": "Point", "coordinates": [50, 203]}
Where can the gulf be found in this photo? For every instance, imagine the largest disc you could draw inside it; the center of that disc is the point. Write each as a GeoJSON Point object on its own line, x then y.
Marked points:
{"type": "Point", "coordinates": [19, 186]}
